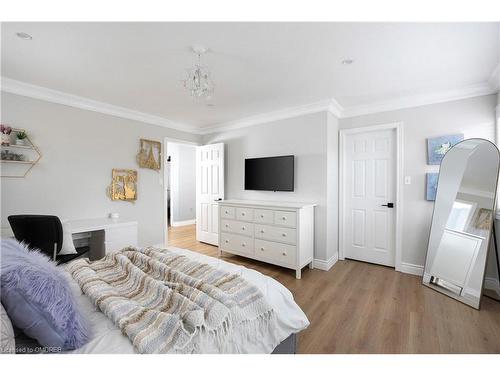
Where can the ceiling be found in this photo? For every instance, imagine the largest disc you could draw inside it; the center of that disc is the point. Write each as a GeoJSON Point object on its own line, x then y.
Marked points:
{"type": "Point", "coordinates": [257, 67]}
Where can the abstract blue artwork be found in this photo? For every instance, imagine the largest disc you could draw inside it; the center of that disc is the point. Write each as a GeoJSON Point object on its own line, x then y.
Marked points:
{"type": "Point", "coordinates": [437, 147]}
{"type": "Point", "coordinates": [431, 186]}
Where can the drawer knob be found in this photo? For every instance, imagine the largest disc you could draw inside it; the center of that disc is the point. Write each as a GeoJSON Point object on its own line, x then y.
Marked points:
{"type": "Point", "coordinates": [243, 244]}
{"type": "Point", "coordinates": [227, 225]}
{"type": "Point", "coordinates": [227, 241]}
{"type": "Point", "coordinates": [242, 228]}
{"type": "Point", "coordinates": [242, 214]}
{"type": "Point", "coordinates": [262, 231]}
{"type": "Point", "coordinates": [284, 253]}
{"type": "Point", "coordinates": [283, 218]}
{"type": "Point", "coordinates": [262, 216]}
{"type": "Point", "coordinates": [283, 234]}
{"type": "Point", "coordinates": [261, 249]}
{"type": "Point", "coordinates": [226, 212]}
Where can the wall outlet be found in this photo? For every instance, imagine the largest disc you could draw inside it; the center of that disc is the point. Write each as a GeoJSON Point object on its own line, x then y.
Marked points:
{"type": "Point", "coordinates": [407, 180]}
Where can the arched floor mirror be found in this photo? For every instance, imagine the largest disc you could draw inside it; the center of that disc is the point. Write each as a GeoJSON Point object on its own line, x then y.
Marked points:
{"type": "Point", "coordinates": [462, 229]}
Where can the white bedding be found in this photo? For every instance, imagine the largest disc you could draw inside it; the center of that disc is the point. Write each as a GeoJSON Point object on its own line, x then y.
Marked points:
{"type": "Point", "coordinates": [107, 338]}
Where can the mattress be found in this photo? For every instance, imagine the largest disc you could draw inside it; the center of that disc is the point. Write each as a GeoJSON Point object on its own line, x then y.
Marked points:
{"type": "Point", "coordinates": [290, 319]}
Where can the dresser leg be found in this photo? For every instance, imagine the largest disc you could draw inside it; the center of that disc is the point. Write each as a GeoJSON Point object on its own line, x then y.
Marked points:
{"type": "Point", "coordinates": [298, 274]}
{"type": "Point", "coordinates": [311, 265]}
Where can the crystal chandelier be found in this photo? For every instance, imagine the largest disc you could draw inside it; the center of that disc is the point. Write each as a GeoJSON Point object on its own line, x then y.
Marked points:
{"type": "Point", "coordinates": [198, 81]}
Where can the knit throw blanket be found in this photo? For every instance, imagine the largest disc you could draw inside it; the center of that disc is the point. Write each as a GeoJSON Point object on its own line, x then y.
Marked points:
{"type": "Point", "coordinates": [165, 303]}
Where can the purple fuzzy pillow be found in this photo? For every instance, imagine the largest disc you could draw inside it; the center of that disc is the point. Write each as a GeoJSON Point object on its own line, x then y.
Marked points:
{"type": "Point", "coordinates": [38, 298]}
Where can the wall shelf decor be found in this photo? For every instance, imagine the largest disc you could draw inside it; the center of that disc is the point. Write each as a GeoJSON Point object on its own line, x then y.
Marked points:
{"type": "Point", "coordinates": [18, 159]}
{"type": "Point", "coordinates": [123, 185]}
{"type": "Point", "coordinates": [149, 155]}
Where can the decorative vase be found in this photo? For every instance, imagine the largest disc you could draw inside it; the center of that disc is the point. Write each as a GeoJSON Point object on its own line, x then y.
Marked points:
{"type": "Point", "coordinates": [5, 139]}
{"type": "Point", "coordinates": [20, 142]}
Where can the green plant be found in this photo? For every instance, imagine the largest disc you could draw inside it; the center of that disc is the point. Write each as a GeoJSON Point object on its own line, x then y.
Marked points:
{"type": "Point", "coordinates": [21, 135]}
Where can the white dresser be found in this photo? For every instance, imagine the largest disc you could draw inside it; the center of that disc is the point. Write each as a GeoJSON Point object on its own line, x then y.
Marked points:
{"type": "Point", "coordinates": [280, 233]}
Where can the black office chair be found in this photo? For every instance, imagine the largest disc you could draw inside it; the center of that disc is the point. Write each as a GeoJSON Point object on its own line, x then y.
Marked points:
{"type": "Point", "coordinates": [43, 232]}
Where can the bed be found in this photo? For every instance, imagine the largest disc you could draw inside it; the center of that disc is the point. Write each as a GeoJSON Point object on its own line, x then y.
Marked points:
{"type": "Point", "coordinates": [290, 319]}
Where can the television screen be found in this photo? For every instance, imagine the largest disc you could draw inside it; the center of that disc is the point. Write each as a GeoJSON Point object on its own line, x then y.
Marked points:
{"type": "Point", "coordinates": [274, 173]}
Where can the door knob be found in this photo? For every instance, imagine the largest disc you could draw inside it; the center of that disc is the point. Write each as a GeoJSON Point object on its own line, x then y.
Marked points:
{"type": "Point", "coordinates": [388, 205]}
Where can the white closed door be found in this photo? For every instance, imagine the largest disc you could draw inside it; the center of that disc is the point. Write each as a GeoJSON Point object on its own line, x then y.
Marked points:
{"type": "Point", "coordinates": [369, 191]}
{"type": "Point", "coordinates": [209, 190]}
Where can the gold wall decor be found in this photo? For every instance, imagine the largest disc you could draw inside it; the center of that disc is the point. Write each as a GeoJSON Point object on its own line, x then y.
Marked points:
{"type": "Point", "coordinates": [149, 155]}
{"type": "Point", "coordinates": [123, 185]}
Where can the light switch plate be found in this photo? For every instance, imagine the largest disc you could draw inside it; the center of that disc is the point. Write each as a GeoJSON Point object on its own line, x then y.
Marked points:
{"type": "Point", "coordinates": [407, 180]}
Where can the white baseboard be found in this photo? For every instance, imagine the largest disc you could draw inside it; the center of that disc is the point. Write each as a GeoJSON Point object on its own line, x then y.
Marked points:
{"type": "Point", "coordinates": [325, 265]}
{"type": "Point", "coordinates": [491, 283]}
{"type": "Point", "coordinates": [413, 269]}
{"type": "Point", "coordinates": [182, 223]}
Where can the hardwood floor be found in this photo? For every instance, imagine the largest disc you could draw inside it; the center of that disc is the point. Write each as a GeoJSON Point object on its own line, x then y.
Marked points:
{"type": "Point", "coordinates": [358, 307]}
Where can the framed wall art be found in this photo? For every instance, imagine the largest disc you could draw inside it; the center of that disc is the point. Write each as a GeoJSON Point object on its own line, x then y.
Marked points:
{"type": "Point", "coordinates": [123, 185]}
{"type": "Point", "coordinates": [431, 186]}
{"type": "Point", "coordinates": [149, 155]}
{"type": "Point", "coordinates": [437, 147]}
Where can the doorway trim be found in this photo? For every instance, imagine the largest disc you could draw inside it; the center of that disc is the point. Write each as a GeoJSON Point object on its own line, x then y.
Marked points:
{"type": "Point", "coordinates": [398, 241]}
{"type": "Point", "coordinates": [164, 181]}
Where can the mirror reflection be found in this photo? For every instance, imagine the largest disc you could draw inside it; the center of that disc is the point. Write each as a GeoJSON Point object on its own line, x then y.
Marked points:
{"type": "Point", "coordinates": [462, 221]}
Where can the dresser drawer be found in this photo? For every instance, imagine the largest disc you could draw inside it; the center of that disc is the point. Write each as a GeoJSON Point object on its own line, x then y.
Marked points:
{"type": "Point", "coordinates": [237, 243]}
{"type": "Point", "coordinates": [238, 227]}
{"type": "Point", "coordinates": [264, 216]}
{"type": "Point", "coordinates": [245, 214]}
{"type": "Point", "coordinates": [271, 233]}
{"type": "Point", "coordinates": [226, 212]}
{"type": "Point", "coordinates": [277, 252]}
{"type": "Point", "coordinates": [285, 218]}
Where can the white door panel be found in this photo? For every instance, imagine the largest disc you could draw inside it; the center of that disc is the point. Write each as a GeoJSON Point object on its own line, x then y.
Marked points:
{"type": "Point", "coordinates": [370, 177]}
{"type": "Point", "coordinates": [209, 190]}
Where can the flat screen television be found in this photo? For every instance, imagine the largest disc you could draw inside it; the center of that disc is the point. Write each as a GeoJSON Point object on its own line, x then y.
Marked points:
{"type": "Point", "coordinates": [273, 173]}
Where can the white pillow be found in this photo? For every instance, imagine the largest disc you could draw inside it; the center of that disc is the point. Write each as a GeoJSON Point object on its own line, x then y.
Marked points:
{"type": "Point", "coordinates": [7, 340]}
{"type": "Point", "coordinates": [68, 247]}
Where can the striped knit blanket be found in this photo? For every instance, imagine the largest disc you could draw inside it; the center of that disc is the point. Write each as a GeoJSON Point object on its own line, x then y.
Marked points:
{"type": "Point", "coordinates": [166, 303]}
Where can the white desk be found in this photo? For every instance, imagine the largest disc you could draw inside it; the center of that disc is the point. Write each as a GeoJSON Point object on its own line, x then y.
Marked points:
{"type": "Point", "coordinates": [104, 235]}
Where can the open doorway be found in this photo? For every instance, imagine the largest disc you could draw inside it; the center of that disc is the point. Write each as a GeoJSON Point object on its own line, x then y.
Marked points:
{"type": "Point", "coordinates": [180, 188]}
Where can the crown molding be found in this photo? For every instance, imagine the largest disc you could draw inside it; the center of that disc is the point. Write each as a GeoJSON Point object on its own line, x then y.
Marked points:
{"type": "Point", "coordinates": [38, 92]}
{"type": "Point", "coordinates": [330, 105]}
{"type": "Point", "coordinates": [335, 108]}
{"type": "Point", "coordinates": [321, 106]}
{"type": "Point", "coordinates": [419, 100]}
{"type": "Point", "coordinates": [494, 80]}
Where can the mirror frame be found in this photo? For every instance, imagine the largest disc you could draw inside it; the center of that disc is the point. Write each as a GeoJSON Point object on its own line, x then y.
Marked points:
{"type": "Point", "coordinates": [489, 239]}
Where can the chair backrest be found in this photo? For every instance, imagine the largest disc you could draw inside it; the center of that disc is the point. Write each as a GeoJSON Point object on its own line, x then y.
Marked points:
{"type": "Point", "coordinates": [38, 231]}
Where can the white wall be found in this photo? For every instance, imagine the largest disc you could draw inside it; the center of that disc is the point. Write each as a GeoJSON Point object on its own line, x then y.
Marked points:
{"type": "Point", "coordinates": [79, 150]}
{"type": "Point", "coordinates": [473, 117]}
{"type": "Point", "coordinates": [182, 181]}
{"type": "Point", "coordinates": [306, 137]}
